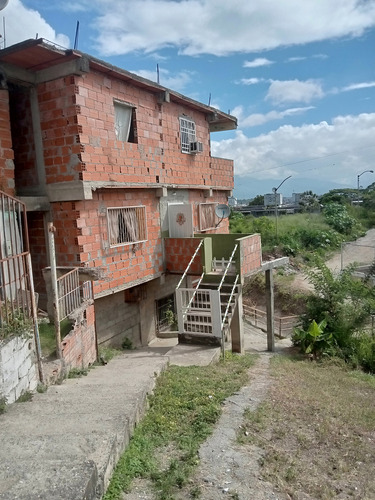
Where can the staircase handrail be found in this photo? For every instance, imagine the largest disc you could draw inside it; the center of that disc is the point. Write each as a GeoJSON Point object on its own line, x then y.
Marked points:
{"type": "Point", "coordinates": [190, 263]}
{"type": "Point", "coordinates": [192, 297]}
{"type": "Point", "coordinates": [228, 266]}
{"type": "Point", "coordinates": [229, 301]}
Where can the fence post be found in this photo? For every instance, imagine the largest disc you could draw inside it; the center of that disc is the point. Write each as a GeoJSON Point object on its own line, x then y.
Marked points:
{"type": "Point", "coordinates": [270, 311]}
{"type": "Point", "coordinates": [35, 319]}
{"type": "Point", "coordinates": [55, 293]}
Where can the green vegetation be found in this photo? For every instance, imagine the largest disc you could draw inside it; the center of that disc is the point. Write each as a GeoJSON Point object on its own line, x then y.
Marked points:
{"type": "Point", "coordinates": [3, 404]}
{"type": "Point", "coordinates": [25, 397]}
{"type": "Point", "coordinates": [335, 317]}
{"type": "Point", "coordinates": [77, 372]}
{"type": "Point", "coordinates": [314, 431]}
{"type": "Point", "coordinates": [108, 353]}
{"type": "Point", "coordinates": [48, 338]}
{"type": "Point", "coordinates": [127, 344]}
{"type": "Point", "coordinates": [303, 233]}
{"type": "Point", "coordinates": [183, 409]}
{"type": "Point", "coordinates": [13, 322]}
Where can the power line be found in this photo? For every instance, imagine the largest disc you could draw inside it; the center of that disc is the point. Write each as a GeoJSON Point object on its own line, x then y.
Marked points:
{"type": "Point", "coordinates": [310, 159]}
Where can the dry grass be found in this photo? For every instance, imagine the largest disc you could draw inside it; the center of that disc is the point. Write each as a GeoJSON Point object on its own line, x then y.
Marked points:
{"type": "Point", "coordinates": [317, 430]}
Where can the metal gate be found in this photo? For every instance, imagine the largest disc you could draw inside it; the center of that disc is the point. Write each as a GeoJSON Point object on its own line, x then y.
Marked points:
{"type": "Point", "coordinates": [17, 298]}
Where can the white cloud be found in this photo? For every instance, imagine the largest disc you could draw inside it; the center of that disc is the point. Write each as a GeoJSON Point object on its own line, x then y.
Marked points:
{"type": "Point", "coordinates": [285, 91]}
{"type": "Point", "coordinates": [256, 119]}
{"type": "Point", "coordinates": [359, 86]}
{"type": "Point", "coordinates": [175, 82]}
{"type": "Point", "coordinates": [250, 81]}
{"type": "Point", "coordinates": [220, 27]}
{"type": "Point", "coordinates": [256, 63]}
{"type": "Point", "coordinates": [335, 151]}
{"type": "Point", "coordinates": [23, 23]}
{"type": "Point", "coordinates": [296, 59]}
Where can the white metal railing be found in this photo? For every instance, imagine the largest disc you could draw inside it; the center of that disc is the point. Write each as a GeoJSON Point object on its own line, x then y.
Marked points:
{"type": "Point", "coordinates": [71, 294]}
{"type": "Point", "coordinates": [190, 263]}
{"type": "Point", "coordinates": [227, 267]}
{"type": "Point", "coordinates": [229, 302]}
{"type": "Point", "coordinates": [195, 291]}
{"type": "Point", "coordinates": [221, 264]}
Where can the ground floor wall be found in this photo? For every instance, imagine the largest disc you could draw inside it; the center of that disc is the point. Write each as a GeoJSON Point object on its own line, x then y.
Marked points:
{"type": "Point", "coordinates": [38, 252]}
{"type": "Point", "coordinates": [78, 348]}
{"type": "Point", "coordinates": [130, 315]}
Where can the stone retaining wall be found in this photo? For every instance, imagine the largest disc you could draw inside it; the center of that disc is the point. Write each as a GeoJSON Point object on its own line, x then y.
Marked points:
{"type": "Point", "coordinates": [18, 370]}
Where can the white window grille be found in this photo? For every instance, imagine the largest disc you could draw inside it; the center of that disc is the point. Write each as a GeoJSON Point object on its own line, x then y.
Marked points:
{"type": "Point", "coordinates": [187, 134]}
{"type": "Point", "coordinates": [124, 122]}
{"type": "Point", "coordinates": [126, 225]}
{"type": "Point", "coordinates": [207, 216]}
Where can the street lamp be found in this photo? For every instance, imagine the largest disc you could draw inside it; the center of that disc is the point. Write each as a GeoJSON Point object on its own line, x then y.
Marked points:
{"type": "Point", "coordinates": [358, 176]}
{"type": "Point", "coordinates": [275, 191]}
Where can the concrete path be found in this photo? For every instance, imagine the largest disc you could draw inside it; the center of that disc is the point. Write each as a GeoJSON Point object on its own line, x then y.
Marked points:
{"type": "Point", "coordinates": [64, 444]}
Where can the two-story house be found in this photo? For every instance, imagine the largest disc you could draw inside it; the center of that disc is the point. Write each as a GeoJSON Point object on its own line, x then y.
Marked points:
{"type": "Point", "coordinates": [122, 166]}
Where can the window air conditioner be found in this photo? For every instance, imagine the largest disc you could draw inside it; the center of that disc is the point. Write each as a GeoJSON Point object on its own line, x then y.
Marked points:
{"type": "Point", "coordinates": [196, 147]}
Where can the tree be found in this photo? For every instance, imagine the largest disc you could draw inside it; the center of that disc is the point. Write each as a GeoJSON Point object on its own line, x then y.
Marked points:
{"type": "Point", "coordinates": [258, 200]}
{"type": "Point", "coordinates": [309, 201]}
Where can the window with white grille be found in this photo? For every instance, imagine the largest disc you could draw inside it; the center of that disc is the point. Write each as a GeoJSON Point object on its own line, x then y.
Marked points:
{"type": "Point", "coordinates": [187, 134]}
{"type": "Point", "coordinates": [126, 225]}
{"type": "Point", "coordinates": [207, 216]}
{"type": "Point", "coordinates": [125, 128]}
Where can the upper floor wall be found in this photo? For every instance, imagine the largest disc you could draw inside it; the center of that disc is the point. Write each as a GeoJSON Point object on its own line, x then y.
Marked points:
{"type": "Point", "coordinates": [79, 124]}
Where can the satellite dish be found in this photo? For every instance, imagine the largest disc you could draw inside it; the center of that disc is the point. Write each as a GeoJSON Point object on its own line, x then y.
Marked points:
{"type": "Point", "coordinates": [3, 4]}
{"type": "Point", "coordinates": [222, 211]}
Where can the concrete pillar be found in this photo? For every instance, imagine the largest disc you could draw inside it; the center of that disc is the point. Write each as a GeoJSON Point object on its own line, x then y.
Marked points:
{"type": "Point", "coordinates": [236, 327]}
{"type": "Point", "coordinates": [146, 321]}
{"type": "Point", "coordinates": [270, 311]}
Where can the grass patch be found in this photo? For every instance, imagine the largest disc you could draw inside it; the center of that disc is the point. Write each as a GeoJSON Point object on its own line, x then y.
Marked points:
{"type": "Point", "coordinates": [3, 404]}
{"type": "Point", "coordinates": [25, 397]}
{"type": "Point", "coordinates": [108, 353]}
{"type": "Point", "coordinates": [78, 372]}
{"type": "Point", "coordinates": [317, 431]}
{"type": "Point", "coordinates": [182, 411]}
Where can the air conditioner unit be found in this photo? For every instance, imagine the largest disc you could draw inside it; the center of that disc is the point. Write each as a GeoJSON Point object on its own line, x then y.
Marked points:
{"type": "Point", "coordinates": [196, 147]}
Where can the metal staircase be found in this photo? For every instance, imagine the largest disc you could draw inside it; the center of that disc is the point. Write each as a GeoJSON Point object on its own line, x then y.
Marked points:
{"type": "Point", "coordinates": [206, 309]}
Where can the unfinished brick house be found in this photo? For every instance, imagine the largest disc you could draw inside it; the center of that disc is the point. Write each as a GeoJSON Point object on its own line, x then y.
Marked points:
{"type": "Point", "coordinates": [122, 166]}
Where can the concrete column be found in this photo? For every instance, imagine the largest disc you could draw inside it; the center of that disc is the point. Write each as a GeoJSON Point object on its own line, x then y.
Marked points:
{"type": "Point", "coordinates": [236, 327]}
{"type": "Point", "coordinates": [147, 321]}
{"type": "Point", "coordinates": [270, 311]}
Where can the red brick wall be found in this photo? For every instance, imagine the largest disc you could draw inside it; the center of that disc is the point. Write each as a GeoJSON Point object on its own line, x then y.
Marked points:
{"type": "Point", "coordinates": [6, 152]}
{"type": "Point", "coordinates": [59, 109]}
{"type": "Point", "coordinates": [179, 251]}
{"type": "Point", "coordinates": [81, 237]}
{"type": "Point", "coordinates": [251, 254]}
{"type": "Point", "coordinates": [157, 156]}
{"type": "Point", "coordinates": [79, 346]}
{"type": "Point", "coordinates": [38, 250]}
{"type": "Point", "coordinates": [23, 139]}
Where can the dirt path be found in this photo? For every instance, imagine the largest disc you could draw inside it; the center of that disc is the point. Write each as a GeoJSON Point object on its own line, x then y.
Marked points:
{"type": "Point", "coordinates": [361, 251]}
{"type": "Point", "coordinates": [226, 469]}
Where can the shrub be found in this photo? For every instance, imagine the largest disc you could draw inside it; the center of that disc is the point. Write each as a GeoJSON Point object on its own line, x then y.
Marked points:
{"type": "Point", "coordinates": [343, 303]}
{"type": "Point", "coordinates": [338, 217]}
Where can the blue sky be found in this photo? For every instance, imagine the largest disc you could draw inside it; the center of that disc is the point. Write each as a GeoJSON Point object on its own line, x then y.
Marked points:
{"type": "Point", "coordinates": [299, 75]}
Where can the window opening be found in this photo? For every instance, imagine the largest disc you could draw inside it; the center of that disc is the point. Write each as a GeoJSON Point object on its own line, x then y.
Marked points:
{"type": "Point", "coordinates": [207, 216]}
{"type": "Point", "coordinates": [187, 133]}
{"type": "Point", "coordinates": [125, 121]}
{"type": "Point", "coordinates": [126, 225]}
